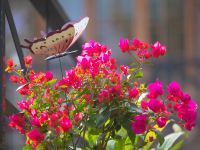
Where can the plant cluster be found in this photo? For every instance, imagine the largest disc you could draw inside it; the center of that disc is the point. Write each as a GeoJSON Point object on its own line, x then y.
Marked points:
{"type": "Point", "coordinates": [97, 105]}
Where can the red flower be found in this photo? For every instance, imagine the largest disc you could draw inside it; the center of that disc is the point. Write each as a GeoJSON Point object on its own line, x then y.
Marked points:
{"type": "Point", "coordinates": [78, 117]}
{"type": "Point", "coordinates": [10, 63]}
{"type": "Point", "coordinates": [43, 117]}
{"type": "Point", "coordinates": [133, 93]}
{"type": "Point", "coordinates": [35, 136]}
{"type": "Point", "coordinates": [18, 122]}
{"type": "Point", "coordinates": [28, 61]}
{"type": "Point", "coordinates": [158, 50]}
{"type": "Point", "coordinates": [124, 45]}
{"type": "Point", "coordinates": [35, 122]}
{"type": "Point", "coordinates": [65, 124]}
{"type": "Point", "coordinates": [14, 79]}
{"type": "Point", "coordinates": [124, 69]}
{"type": "Point", "coordinates": [23, 105]}
{"type": "Point", "coordinates": [48, 75]}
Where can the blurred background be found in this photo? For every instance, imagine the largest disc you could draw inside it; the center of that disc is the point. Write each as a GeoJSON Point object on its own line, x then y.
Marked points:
{"type": "Point", "coordinates": [175, 23]}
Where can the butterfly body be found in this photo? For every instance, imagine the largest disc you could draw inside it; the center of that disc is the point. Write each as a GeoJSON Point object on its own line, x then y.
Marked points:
{"type": "Point", "coordinates": [56, 43]}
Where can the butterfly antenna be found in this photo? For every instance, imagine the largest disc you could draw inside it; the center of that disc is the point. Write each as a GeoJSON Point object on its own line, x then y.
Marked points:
{"type": "Point", "coordinates": [27, 41]}
{"type": "Point", "coordinates": [23, 46]}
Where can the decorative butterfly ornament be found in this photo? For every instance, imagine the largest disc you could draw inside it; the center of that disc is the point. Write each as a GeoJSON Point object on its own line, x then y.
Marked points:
{"type": "Point", "coordinates": [55, 44]}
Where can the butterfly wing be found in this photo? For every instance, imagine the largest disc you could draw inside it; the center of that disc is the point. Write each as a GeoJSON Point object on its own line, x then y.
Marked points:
{"type": "Point", "coordinates": [57, 42]}
{"type": "Point", "coordinates": [79, 28]}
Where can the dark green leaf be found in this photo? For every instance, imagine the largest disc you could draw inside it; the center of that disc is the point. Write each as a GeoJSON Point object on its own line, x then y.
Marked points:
{"type": "Point", "coordinates": [160, 137]}
{"type": "Point", "coordinates": [101, 120]}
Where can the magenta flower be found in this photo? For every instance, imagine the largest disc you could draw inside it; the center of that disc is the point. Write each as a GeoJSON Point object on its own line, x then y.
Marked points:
{"type": "Point", "coordinates": [104, 96]}
{"type": "Point", "coordinates": [174, 89]}
{"type": "Point", "coordinates": [136, 43]}
{"type": "Point", "coordinates": [156, 106]}
{"type": "Point", "coordinates": [35, 136]}
{"type": "Point", "coordinates": [23, 105]}
{"type": "Point", "coordinates": [124, 45]}
{"type": "Point", "coordinates": [35, 122]}
{"type": "Point", "coordinates": [158, 50]}
{"type": "Point", "coordinates": [124, 69]}
{"type": "Point", "coordinates": [155, 89]}
{"type": "Point", "coordinates": [139, 126]}
{"type": "Point", "coordinates": [49, 75]}
{"type": "Point", "coordinates": [18, 122]}
{"type": "Point", "coordinates": [161, 121]}
{"type": "Point", "coordinates": [78, 117]}
{"type": "Point", "coordinates": [133, 93]}
{"type": "Point", "coordinates": [43, 117]}
{"type": "Point", "coordinates": [65, 124]}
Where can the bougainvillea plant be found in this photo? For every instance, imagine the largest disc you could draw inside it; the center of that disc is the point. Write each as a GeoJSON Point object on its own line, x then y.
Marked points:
{"type": "Point", "coordinates": [97, 105]}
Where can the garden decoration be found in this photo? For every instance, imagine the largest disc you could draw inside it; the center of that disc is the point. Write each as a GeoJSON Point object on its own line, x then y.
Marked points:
{"type": "Point", "coordinates": [55, 44]}
{"type": "Point", "coordinates": [99, 106]}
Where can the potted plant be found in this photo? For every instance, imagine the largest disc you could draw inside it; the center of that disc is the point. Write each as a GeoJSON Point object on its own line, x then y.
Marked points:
{"type": "Point", "coordinates": [97, 105]}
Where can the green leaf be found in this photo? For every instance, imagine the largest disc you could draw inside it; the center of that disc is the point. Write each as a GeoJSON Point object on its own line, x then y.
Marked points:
{"type": "Point", "coordinates": [148, 63]}
{"type": "Point", "coordinates": [40, 147]}
{"type": "Point", "coordinates": [132, 70]}
{"type": "Point", "coordinates": [101, 120]}
{"type": "Point", "coordinates": [170, 140]}
{"type": "Point", "coordinates": [160, 137]}
{"type": "Point", "coordinates": [139, 75]}
{"type": "Point", "coordinates": [27, 147]}
{"type": "Point", "coordinates": [111, 145]}
{"type": "Point", "coordinates": [178, 145]}
{"type": "Point", "coordinates": [51, 82]}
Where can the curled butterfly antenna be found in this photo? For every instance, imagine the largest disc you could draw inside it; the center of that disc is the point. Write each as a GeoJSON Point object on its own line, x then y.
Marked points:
{"type": "Point", "coordinates": [43, 34]}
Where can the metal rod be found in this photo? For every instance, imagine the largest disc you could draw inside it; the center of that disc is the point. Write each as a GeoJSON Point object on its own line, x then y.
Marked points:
{"type": "Point", "coordinates": [14, 35]}
{"type": "Point", "coordinates": [2, 77]}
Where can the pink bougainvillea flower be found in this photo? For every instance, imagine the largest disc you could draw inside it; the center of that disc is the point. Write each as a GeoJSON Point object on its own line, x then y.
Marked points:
{"type": "Point", "coordinates": [104, 96]}
{"type": "Point", "coordinates": [124, 45]}
{"type": "Point", "coordinates": [174, 89]}
{"type": "Point", "coordinates": [124, 69]}
{"type": "Point", "coordinates": [18, 122]}
{"type": "Point", "coordinates": [139, 125]}
{"type": "Point", "coordinates": [35, 122]}
{"type": "Point", "coordinates": [23, 105]}
{"type": "Point", "coordinates": [136, 43]}
{"type": "Point", "coordinates": [156, 106]}
{"type": "Point", "coordinates": [43, 117]}
{"type": "Point", "coordinates": [158, 50]}
{"type": "Point", "coordinates": [133, 93]}
{"type": "Point", "coordinates": [161, 121]}
{"type": "Point", "coordinates": [35, 136]}
{"type": "Point", "coordinates": [48, 75]}
{"type": "Point", "coordinates": [78, 117]}
{"type": "Point", "coordinates": [155, 89]}
{"type": "Point", "coordinates": [65, 124]}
